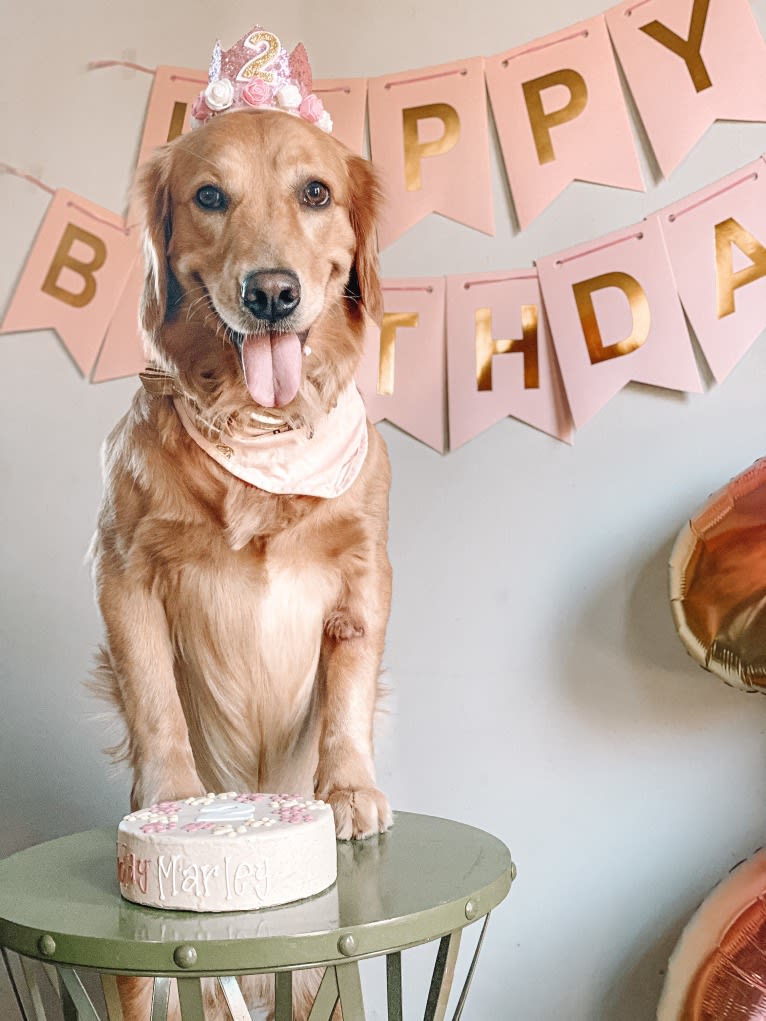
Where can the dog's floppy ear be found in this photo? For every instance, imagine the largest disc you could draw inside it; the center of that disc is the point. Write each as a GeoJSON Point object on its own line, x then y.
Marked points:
{"type": "Point", "coordinates": [153, 192]}
{"type": "Point", "coordinates": [364, 204]}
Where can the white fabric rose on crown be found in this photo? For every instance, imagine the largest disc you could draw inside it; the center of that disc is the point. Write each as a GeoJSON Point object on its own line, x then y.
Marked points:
{"type": "Point", "coordinates": [219, 95]}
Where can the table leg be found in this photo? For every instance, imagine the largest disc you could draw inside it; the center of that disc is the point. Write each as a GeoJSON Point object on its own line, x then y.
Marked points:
{"type": "Point", "coordinates": [235, 1001]}
{"type": "Point", "coordinates": [160, 999]}
{"type": "Point", "coordinates": [394, 986]}
{"type": "Point", "coordinates": [31, 972]}
{"type": "Point", "coordinates": [12, 979]}
{"type": "Point", "coordinates": [350, 991]}
{"type": "Point", "coordinates": [50, 973]}
{"type": "Point", "coordinates": [190, 998]}
{"type": "Point", "coordinates": [111, 998]}
{"type": "Point", "coordinates": [444, 972]}
{"type": "Point", "coordinates": [75, 1001]}
{"type": "Point", "coordinates": [326, 998]}
{"type": "Point", "coordinates": [68, 1009]}
{"type": "Point", "coordinates": [467, 984]}
{"type": "Point", "coordinates": [283, 996]}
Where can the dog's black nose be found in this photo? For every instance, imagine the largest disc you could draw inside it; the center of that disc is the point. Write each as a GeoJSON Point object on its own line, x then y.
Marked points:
{"type": "Point", "coordinates": [271, 294]}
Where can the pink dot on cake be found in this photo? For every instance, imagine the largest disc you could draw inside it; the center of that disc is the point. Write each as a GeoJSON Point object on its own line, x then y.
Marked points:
{"type": "Point", "coordinates": [227, 852]}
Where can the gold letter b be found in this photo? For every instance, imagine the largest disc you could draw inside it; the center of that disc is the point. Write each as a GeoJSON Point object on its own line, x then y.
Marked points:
{"type": "Point", "coordinates": [63, 259]}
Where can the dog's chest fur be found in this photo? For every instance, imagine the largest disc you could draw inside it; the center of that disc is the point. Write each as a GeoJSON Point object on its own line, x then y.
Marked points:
{"type": "Point", "coordinates": [247, 581]}
{"type": "Point", "coordinates": [247, 637]}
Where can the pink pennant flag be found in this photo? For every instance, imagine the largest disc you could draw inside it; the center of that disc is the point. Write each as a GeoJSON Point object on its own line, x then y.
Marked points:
{"type": "Point", "coordinates": [561, 117]}
{"type": "Point", "coordinates": [122, 352]}
{"type": "Point", "coordinates": [430, 141]}
{"type": "Point", "coordinates": [168, 113]}
{"type": "Point", "coordinates": [401, 376]}
{"type": "Point", "coordinates": [689, 63]}
{"type": "Point", "coordinates": [345, 99]}
{"type": "Point", "coordinates": [716, 240]}
{"type": "Point", "coordinates": [500, 358]}
{"type": "Point", "coordinates": [615, 316]}
{"type": "Point", "coordinates": [73, 276]}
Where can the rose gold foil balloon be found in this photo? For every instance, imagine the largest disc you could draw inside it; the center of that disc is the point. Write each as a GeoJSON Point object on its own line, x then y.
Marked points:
{"type": "Point", "coordinates": [718, 582]}
{"type": "Point", "coordinates": [718, 970]}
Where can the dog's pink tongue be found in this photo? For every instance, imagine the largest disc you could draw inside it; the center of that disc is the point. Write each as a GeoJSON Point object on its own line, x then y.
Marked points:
{"type": "Point", "coordinates": [272, 366]}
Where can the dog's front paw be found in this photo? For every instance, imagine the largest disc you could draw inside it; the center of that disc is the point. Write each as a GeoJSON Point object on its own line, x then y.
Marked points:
{"type": "Point", "coordinates": [147, 791]}
{"type": "Point", "coordinates": [359, 812]}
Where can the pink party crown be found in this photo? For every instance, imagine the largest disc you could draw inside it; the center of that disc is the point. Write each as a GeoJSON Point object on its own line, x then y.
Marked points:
{"type": "Point", "coordinates": [258, 73]}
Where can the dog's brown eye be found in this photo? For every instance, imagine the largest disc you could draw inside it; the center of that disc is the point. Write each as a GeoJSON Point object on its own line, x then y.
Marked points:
{"type": "Point", "coordinates": [316, 194]}
{"type": "Point", "coordinates": [210, 197]}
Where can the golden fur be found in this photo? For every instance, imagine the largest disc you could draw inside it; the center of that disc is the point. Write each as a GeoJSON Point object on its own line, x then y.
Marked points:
{"type": "Point", "coordinates": [244, 630]}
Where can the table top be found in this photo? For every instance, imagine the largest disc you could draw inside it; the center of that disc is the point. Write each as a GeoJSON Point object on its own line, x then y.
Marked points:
{"type": "Point", "coordinates": [60, 901]}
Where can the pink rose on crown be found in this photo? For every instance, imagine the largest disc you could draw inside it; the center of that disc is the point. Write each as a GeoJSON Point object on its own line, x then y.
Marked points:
{"type": "Point", "coordinates": [312, 108]}
{"type": "Point", "coordinates": [200, 111]}
{"type": "Point", "coordinates": [257, 93]}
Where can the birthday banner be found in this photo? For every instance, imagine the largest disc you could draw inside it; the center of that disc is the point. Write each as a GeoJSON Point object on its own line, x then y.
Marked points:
{"type": "Point", "coordinates": [401, 376]}
{"type": "Point", "coordinates": [74, 276]}
{"type": "Point", "coordinates": [707, 236]}
{"type": "Point", "coordinates": [490, 315]}
{"type": "Point", "coordinates": [616, 318]}
{"type": "Point", "coordinates": [550, 345]}
{"type": "Point", "coordinates": [561, 117]}
{"type": "Point", "coordinates": [687, 65]}
{"type": "Point", "coordinates": [429, 137]}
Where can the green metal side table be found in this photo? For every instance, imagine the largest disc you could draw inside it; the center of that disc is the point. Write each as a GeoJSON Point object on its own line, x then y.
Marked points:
{"type": "Point", "coordinates": [426, 879]}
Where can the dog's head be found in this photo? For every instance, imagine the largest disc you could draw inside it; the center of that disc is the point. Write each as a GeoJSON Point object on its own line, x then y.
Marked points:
{"type": "Point", "coordinates": [260, 247]}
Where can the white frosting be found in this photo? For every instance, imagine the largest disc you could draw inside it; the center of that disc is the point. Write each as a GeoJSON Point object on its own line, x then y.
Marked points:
{"type": "Point", "coordinates": [226, 811]}
{"type": "Point", "coordinates": [227, 852]}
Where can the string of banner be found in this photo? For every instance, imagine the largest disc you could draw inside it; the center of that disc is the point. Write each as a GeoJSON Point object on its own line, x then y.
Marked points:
{"type": "Point", "coordinates": [550, 345]}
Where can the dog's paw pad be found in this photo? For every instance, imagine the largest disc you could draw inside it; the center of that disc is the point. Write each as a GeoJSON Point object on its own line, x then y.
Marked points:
{"type": "Point", "coordinates": [359, 812]}
{"type": "Point", "coordinates": [341, 626]}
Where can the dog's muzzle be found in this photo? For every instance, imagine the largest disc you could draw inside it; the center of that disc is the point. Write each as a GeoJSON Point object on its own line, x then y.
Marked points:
{"type": "Point", "coordinates": [272, 354]}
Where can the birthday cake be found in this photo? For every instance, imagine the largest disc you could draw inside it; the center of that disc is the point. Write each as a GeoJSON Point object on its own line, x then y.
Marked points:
{"type": "Point", "coordinates": [226, 852]}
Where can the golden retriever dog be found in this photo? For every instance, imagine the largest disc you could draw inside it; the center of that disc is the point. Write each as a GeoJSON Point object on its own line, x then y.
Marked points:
{"type": "Point", "coordinates": [245, 627]}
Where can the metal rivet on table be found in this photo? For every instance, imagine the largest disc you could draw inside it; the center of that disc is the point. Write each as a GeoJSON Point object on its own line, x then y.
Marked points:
{"type": "Point", "coordinates": [471, 910]}
{"type": "Point", "coordinates": [47, 945]}
{"type": "Point", "coordinates": [185, 956]}
{"type": "Point", "coordinates": [347, 944]}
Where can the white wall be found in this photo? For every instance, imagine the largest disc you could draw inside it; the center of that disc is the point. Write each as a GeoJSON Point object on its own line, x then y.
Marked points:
{"type": "Point", "coordinates": [539, 689]}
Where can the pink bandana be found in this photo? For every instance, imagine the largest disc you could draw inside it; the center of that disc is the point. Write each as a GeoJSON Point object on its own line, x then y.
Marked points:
{"type": "Point", "coordinates": [325, 464]}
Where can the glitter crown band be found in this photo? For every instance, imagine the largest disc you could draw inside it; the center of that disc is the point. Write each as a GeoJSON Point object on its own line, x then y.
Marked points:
{"type": "Point", "coordinates": [258, 73]}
